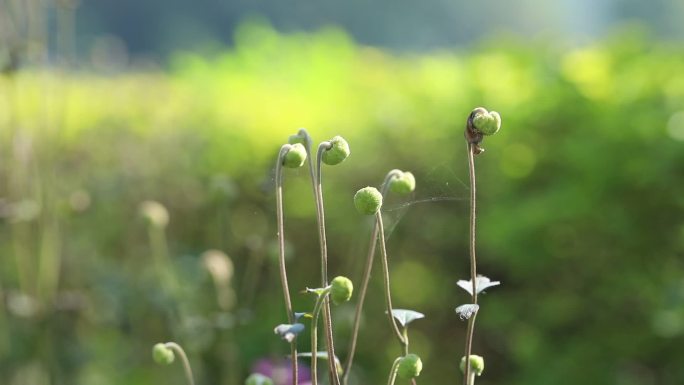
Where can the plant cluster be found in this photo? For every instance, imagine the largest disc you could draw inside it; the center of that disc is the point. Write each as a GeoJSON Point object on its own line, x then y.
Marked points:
{"type": "Point", "coordinates": [368, 201]}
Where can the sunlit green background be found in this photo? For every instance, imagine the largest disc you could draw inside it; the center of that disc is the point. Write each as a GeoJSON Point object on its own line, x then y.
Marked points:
{"type": "Point", "coordinates": [581, 210]}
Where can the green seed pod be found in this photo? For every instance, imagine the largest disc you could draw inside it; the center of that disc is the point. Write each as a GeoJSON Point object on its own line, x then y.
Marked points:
{"type": "Point", "coordinates": [337, 153]}
{"type": "Point", "coordinates": [476, 364]}
{"type": "Point", "coordinates": [368, 200]}
{"type": "Point", "coordinates": [162, 354]}
{"type": "Point", "coordinates": [258, 379]}
{"type": "Point", "coordinates": [404, 184]}
{"type": "Point", "coordinates": [341, 290]}
{"type": "Point", "coordinates": [295, 157]}
{"type": "Point", "coordinates": [409, 367]}
{"type": "Point", "coordinates": [488, 123]}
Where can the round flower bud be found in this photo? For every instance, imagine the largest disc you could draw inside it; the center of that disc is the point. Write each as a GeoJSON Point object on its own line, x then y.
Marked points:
{"type": "Point", "coordinates": [341, 290]}
{"type": "Point", "coordinates": [476, 364]}
{"type": "Point", "coordinates": [295, 156]}
{"type": "Point", "coordinates": [368, 200]}
{"type": "Point", "coordinates": [162, 354]}
{"type": "Point", "coordinates": [488, 123]}
{"type": "Point", "coordinates": [409, 367]}
{"type": "Point", "coordinates": [337, 153]}
{"type": "Point", "coordinates": [404, 184]}
{"type": "Point", "coordinates": [258, 379]}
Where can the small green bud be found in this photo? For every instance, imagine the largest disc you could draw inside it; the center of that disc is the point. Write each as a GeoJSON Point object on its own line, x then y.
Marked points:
{"type": "Point", "coordinates": [295, 156]}
{"type": "Point", "coordinates": [404, 184]}
{"type": "Point", "coordinates": [476, 364]}
{"type": "Point", "coordinates": [162, 354]}
{"type": "Point", "coordinates": [368, 200]}
{"type": "Point", "coordinates": [409, 367]}
{"type": "Point", "coordinates": [341, 290]}
{"type": "Point", "coordinates": [337, 153]}
{"type": "Point", "coordinates": [258, 379]}
{"type": "Point", "coordinates": [488, 123]}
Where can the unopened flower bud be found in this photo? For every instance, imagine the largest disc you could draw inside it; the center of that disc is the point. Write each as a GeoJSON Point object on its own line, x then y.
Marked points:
{"type": "Point", "coordinates": [404, 184]}
{"type": "Point", "coordinates": [341, 290]}
{"type": "Point", "coordinates": [476, 364]}
{"type": "Point", "coordinates": [162, 354]}
{"type": "Point", "coordinates": [295, 156]}
{"type": "Point", "coordinates": [337, 153]}
{"type": "Point", "coordinates": [258, 379]}
{"type": "Point", "coordinates": [409, 367]}
{"type": "Point", "coordinates": [487, 122]}
{"type": "Point", "coordinates": [368, 200]}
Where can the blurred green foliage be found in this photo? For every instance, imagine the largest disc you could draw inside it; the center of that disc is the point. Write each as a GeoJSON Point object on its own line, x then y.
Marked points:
{"type": "Point", "coordinates": [581, 211]}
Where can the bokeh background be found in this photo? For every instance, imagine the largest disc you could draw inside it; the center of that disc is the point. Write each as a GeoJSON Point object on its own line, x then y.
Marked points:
{"type": "Point", "coordinates": [137, 143]}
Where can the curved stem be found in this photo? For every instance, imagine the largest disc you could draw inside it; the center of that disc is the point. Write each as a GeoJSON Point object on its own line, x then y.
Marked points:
{"type": "Point", "coordinates": [184, 359]}
{"type": "Point", "coordinates": [364, 284]}
{"type": "Point", "coordinates": [473, 260]}
{"type": "Point", "coordinates": [281, 255]}
{"type": "Point", "coordinates": [386, 279]}
{"type": "Point", "coordinates": [393, 371]}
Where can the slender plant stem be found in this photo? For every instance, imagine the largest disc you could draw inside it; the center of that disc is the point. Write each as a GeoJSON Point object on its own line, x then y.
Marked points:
{"type": "Point", "coordinates": [404, 333]}
{"type": "Point", "coordinates": [327, 321]}
{"type": "Point", "coordinates": [386, 279]}
{"type": "Point", "coordinates": [393, 371]}
{"type": "Point", "coordinates": [471, 379]}
{"type": "Point", "coordinates": [323, 245]}
{"type": "Point", "coordinates": [184, 359]}
{"type": "Point", "coordinates": [314, 338]}
{"type": "Point", "coordinates": [307, 144]}
{"type": "Point", "coordinates": [364, 284]}
{"type": "Point", "coordinates": [321, 213]}
{"type": "Point", "coordinates": [473, 260]}
{"type": "Point", "coordinates": [281, 255]}
{"type": "Point", "coordinates": [160, 251]}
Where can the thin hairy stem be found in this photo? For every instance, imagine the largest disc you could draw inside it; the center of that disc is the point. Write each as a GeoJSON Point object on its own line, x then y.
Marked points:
{"type": "Point", "coordinates": [364, 284]}
{"type": "Point", "coordinates": [393, 371]}
{"type": "Point", "coordinates": [184, 359]}
{"type": "Point", "coordinates": [386, 279]}
{"type": "Point", "coordinates": [473, 260]}
{"type": "Point", "coordinates": [281, 255]}
{"type": "Point", "coordinates": [327, 321]}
